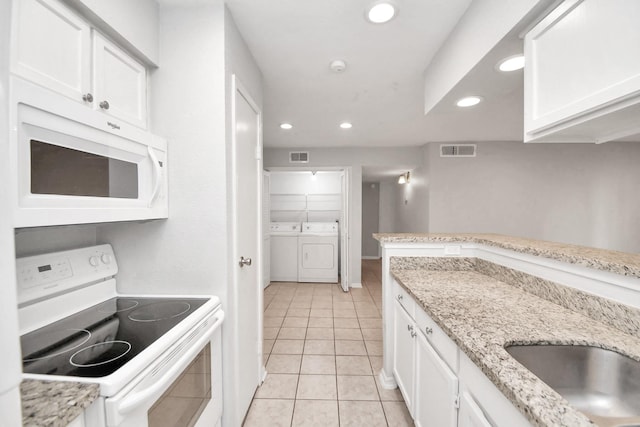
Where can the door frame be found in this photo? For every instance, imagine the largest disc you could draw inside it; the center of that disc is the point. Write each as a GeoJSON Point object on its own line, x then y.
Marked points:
{"type": "Point", "coordinates": [238, 89]}
{"type": "Point", "coordinates": [346, 212]}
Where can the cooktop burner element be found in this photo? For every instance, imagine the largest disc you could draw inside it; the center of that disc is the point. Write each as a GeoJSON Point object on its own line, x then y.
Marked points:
{"type": "Point", "coordinates": [159, 311]}
{"type": "Point", "coordinates": [97, 341]}
{"type": "Point", "coordinates": [99, 354]}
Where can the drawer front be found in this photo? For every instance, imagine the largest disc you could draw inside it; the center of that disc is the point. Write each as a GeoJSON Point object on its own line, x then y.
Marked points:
{"type": "Point", "coordinates": [440, 341]}
{"type": "Point", "coordinates": [405, 299]}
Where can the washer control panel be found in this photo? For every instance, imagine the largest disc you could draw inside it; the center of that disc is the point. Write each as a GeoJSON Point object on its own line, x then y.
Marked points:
{"type": "Point", "coordinates": [45, 275]}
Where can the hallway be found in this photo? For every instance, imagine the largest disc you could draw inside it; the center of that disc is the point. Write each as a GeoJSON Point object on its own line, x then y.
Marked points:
{"type": "Point", "coordinates": [323, 351]}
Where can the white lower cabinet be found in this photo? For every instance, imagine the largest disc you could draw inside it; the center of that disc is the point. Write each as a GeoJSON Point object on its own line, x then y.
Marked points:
{"type": "Point", "coordinates": [470, 414]}
{"type": "Point", "coordinates": [436, 395]}
{"type": "Point", "coordinates": [441, 386]}
{"type": "Point", "coordinates": [404, 353]}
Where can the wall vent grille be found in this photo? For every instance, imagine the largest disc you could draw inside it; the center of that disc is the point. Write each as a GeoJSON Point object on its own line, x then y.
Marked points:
{"type": "Point", "coordinates": [458, 150]}
{"type": "Point", "coordinates": [298, 157]}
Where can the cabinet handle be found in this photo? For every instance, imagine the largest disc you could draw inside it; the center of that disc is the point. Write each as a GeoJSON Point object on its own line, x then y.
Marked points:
{"type": "Point", "coordinates": [413, 334]}
{"type": "Point", "coordinates": [104, 105]}
{"type": "Point", "coordinates": [410, 328]}
{"type": "Point", "coordinates": [428, 330]}
{"type": "Point", "coordinates": [399, 297]}
{"type": "Point", "coordinates": [87, 97]}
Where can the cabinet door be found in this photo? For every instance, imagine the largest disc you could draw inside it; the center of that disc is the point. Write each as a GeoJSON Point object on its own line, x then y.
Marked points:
{"type": "Point", "coordinates": [404, 353]}
{"type": "Point", "coordinates": [436, 388]}
{"type": "Point", "coordinates": [120, 83]}
{"type": "Point", "coordinates": [52, 47]}
{"type": "Point", "coordinates": [470, 413]}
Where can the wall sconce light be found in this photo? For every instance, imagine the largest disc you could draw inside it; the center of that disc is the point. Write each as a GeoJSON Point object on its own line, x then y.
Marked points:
{"type": "Point", "coordinates": [404, 178]}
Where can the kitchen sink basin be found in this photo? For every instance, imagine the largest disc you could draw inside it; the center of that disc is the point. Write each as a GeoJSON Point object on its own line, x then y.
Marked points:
{"type": "Point", "coordinates": [602, 384]}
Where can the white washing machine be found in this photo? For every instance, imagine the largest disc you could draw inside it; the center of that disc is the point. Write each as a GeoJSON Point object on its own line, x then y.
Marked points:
{"type": "Point", "coordinates": [318, 252]}
{"type": "Point", "coordinates": [284, 251]}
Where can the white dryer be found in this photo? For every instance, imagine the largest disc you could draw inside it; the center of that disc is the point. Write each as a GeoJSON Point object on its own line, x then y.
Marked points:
{"type": "Point", "coordinates": [318, 252]}
{"type": "Point", "coordinates": [284, 251]}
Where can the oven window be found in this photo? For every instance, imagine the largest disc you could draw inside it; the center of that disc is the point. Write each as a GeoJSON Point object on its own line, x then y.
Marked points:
{"type": "Point", "coordinates": [182, 404]}
{"type": "Point", "coordinates": [68, 172]}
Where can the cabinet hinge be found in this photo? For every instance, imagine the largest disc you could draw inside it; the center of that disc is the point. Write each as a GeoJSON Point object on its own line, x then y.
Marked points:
{"type": "Point", "coordinates": [456, 401]}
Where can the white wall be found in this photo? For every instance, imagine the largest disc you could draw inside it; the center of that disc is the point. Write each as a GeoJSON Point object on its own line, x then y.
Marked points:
{"type": "Point", "coordinates": [188, 252]}
{"type": "Point", "coordinates": [582, 194]}
{"type": "Point", "coordinates": [10, 358]}
{"type": "Point", "coordinates": [370, 218]}
{"type": "Point", "coordinates": [411, 200]}
{"type": "Point", "coordinates": [355, 159]}
{"type": "Point", "coordinates": [387, 207]}
{"type": "Point", "coordinates": [304, 182]}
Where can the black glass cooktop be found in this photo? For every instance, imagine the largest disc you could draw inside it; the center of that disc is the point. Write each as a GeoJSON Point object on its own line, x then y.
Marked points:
{"type": "Point", "coordinates": [97, 341]}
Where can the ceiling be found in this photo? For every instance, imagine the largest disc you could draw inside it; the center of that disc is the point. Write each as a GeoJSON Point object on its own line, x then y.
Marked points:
{"type": "Point", "coordinates": [381, 90]}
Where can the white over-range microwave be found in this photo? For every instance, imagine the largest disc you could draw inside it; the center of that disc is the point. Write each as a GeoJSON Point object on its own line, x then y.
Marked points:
{"type": "Point", "coordinates": [73, 165]}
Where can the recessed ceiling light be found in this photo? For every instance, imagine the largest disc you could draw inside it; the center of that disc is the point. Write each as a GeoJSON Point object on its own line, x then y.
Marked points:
{"type": "Point", "coordinates": [286, 126]}
{"type": "Point", "coordinates": [381, 12]}
{"type": "Point", "coordinates": [512, 63]}
{"type": "Point", "coordinates": [346, 125]}
{"type": "Point", "coordinates": [468, 101]}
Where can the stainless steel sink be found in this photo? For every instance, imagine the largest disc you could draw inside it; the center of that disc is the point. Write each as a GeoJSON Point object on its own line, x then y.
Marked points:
{"type": "Point", "coordinates": [602, 384]}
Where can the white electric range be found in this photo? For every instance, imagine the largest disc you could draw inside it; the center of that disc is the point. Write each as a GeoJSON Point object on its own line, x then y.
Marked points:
{"type": "Point", "coordinates": [157, 358]}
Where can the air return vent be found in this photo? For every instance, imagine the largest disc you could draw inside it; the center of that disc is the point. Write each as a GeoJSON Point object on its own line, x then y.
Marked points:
{"type": "Point", "coordinates": [460, 150]}
{"type": "Point", "coordinates": [298, 157]}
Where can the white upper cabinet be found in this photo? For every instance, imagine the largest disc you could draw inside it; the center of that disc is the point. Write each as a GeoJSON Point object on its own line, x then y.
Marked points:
{"type": "Point", "coordinates": [55, 48]}
{"type": "Point", "coordinates": [120, 82]}
{"type": "Point", "coordinates": [582, 78]}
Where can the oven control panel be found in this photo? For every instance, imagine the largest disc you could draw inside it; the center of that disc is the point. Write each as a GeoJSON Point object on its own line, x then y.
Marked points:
{"type": "Point", "coordinates": [41, 276]}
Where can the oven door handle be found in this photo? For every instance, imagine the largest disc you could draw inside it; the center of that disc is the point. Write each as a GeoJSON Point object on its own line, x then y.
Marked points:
{"type": "Point", "coordinates": [157, 174]}
{"type": "Point", "coordinates": [135, 400]}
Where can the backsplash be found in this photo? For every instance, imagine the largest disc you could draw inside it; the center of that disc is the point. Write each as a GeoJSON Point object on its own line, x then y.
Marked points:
{"type": "Point", "coordinates": [609, 312]}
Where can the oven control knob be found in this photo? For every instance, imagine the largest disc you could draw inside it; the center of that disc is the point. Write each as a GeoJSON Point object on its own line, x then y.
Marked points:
{"type": "Point", "coordinates": [106, 259]}
{"type": "Point", "coordinates": [94, 261]}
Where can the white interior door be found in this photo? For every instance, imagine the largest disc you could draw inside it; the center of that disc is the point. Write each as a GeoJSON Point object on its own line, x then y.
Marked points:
{"type": "Point", "coordinates": [247, 242]}
{"type": "Point", "coordinates": [344, 233]}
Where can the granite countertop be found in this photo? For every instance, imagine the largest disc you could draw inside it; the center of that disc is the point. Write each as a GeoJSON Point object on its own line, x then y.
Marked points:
{"type": "Point", "coordinates": [55, 403]}
{"type": "Point", "coordinates": [622, 263]}
{"type": "Point", "coordinates": [482, 315]}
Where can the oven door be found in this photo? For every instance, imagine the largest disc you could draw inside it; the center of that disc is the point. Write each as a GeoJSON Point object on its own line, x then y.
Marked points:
{"type": "Point", "coordinates": [73, 167]}
{"type": "Point", "coordinates": [182, 388]}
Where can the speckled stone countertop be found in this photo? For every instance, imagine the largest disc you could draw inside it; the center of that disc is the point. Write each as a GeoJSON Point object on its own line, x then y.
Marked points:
{"type": "Point", "coordinates": [623, 263]}
{"type": "Point", "coordinates": [482, 315]}
{"type": "Point", "coordinates": [55, 403]}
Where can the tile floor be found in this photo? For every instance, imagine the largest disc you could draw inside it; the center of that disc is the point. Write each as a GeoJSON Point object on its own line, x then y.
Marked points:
{"type": "Point", "coordinates": [323, 350]}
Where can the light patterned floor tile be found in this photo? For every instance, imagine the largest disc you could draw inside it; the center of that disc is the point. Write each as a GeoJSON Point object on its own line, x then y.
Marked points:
{"type": "Point", "coordinates": [295, 322]}
{"type": "Point", "coordinates": [397, 414]}
{"type": "Point", "coordinates": [318, 364]}
{"type": "Point", "coordinates": [350, 348]}
{"type": "Point", "coordinates": [320, 322]}
{"type": "Point", "coordinates": [319, 347]}
{"type": "Point", "coordinates": [346, 323]}
{"type": "Point", "coordinates": [374, 348]}
{"type": "Point", "coordinates": [348, 334]}
{"type": "Point", "coordinates": [318, 387]}
{"type": "Point", "coordinates": [292, 333]}
{"type": "Point", "coordinates": [320, 333]}
{"type": "Point", "coordinates": [269, 412]}
{"type": "Point", "coordinates": [284, 364]}
{"type": "Point", "coordinates": [288, 347]}
{"type": "Point", "coordinates": [278, 386]}
{"type": "Point", "coordinates": [352, 387]}
{"type": "Point", "coordinates": [361, 414]}
{"type": "Point", "coordinates": [372, 334]}
{"type": "Point", "coordinates": [353, 365]}
{"type": "Point", "coordinates": [321, 312]}
{"type": "Point", "coordinates": [315, 413]}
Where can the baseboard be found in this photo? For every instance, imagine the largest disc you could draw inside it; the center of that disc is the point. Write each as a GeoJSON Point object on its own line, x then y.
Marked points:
{"type": "Point", "coordinates": [387, 382]}
{"type": "Point", "coordinates": [370, 257]}
{"type": "Point", "coordinates": [355, 285]}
